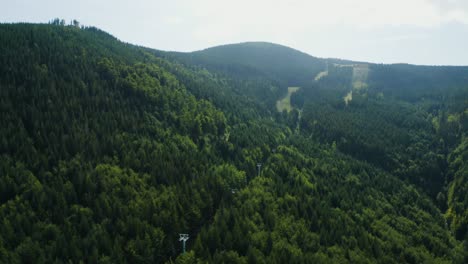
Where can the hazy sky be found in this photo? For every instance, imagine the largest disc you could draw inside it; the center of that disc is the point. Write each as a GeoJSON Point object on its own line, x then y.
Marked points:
{"type": "Point", "coordinates": [414, 31]}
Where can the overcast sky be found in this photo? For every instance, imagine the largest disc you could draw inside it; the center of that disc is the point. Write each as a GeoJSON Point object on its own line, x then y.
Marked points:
{"type": "Point", "coordinates": [431, 32]}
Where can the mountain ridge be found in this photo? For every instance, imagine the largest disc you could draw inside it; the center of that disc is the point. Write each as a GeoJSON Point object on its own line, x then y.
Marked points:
{"type": "Point", "coordinates": [109, 151]}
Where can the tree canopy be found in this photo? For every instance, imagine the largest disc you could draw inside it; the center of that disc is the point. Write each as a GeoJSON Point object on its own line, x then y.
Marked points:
{"type": "Point", "coordinates": [109, 151]}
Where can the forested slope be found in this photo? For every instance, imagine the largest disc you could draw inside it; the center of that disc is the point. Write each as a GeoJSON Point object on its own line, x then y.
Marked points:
{"type": "Point", "coordinates": [288, 66]}
{"type": "Point", "coordinates": [108, 151]}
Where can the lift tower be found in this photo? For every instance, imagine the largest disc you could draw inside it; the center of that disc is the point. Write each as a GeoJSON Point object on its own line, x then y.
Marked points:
{"type": "Point", "coordinates": [183, 238]}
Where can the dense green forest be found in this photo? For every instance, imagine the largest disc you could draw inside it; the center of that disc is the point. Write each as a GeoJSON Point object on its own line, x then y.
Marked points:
{"type": "Point", "coordinates": [109, 151]}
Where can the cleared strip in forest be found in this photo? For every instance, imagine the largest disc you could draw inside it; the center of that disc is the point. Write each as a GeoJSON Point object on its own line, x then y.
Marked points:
{"type": "Point", "coordinates": [321, 75]}
{"type": "Point", "coordinates": [285, 102]}
{"type": "Point", "coordinates": [360, 74]}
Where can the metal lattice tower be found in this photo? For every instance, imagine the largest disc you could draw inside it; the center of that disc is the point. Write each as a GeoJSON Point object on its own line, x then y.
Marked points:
{"type": "Point", "coordinates": [183, 238]}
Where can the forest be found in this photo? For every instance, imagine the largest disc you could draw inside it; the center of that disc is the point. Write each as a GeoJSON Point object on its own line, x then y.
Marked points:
{"type": "Point", "coordinates": [109, 151]}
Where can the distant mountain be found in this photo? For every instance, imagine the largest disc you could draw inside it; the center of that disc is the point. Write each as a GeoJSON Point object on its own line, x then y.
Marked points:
{"type": "Point", "coordinates": [288, 66]}
{"type": "Point", "coordinates": [110, 151]}
{"type": "Point", "coordinates": [414, 82]}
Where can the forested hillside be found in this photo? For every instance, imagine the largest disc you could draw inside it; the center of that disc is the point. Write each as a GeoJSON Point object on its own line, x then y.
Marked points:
{"type": "Point", "coordinates": [109, 151]}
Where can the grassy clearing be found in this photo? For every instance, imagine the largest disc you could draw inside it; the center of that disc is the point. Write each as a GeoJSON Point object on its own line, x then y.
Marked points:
{"type": "Point", "coordinates": [360, 74]}
{"type": "Point", "coordinates": [359, 85]}
{"type": "Point", "coordinates": [321, 75]}
{"type": "Point", "coordinates": [285, 102]}
{"type": "Point", "coordinates": [348, 97]}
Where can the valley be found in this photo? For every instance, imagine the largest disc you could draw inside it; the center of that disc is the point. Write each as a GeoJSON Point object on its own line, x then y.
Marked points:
{"type": "Point", "coordinates": [116, 153]}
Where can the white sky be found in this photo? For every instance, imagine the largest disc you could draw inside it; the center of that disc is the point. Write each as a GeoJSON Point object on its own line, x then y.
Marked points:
{"type": "Point", "coordinates": [414, 31]}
